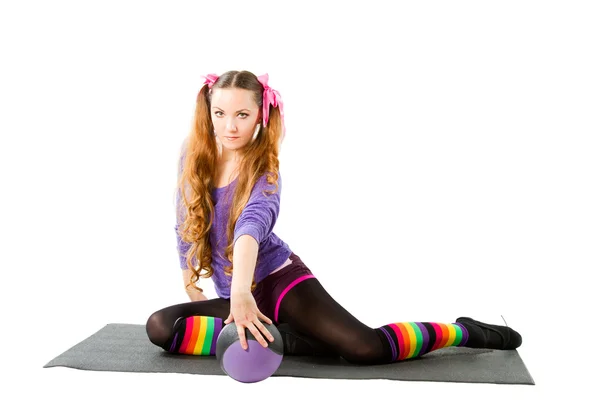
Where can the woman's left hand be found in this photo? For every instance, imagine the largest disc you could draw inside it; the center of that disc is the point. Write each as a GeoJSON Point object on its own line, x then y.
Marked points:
{"type": "Point", "coordinates": [246, 314]}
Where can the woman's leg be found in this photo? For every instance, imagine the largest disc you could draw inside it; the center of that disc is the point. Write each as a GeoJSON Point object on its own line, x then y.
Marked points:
{"type": "Point", "coordinates": [309, 309]}
{"type": "Point", "coordinates": [193, 328]}
{"type": "Point", "coordinates": [188, 328]}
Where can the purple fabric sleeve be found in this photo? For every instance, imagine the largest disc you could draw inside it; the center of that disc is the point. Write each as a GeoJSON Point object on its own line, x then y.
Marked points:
{"type": "Point", "coordinates": [260, 214]}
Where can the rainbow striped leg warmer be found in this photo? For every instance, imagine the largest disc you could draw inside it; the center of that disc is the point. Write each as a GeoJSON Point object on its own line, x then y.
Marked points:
{"type": "Point", "coordinates": [413, 339]}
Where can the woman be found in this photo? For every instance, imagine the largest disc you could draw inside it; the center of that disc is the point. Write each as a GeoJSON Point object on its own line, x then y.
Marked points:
{"type": "Point", "coordinates": [228, 198]}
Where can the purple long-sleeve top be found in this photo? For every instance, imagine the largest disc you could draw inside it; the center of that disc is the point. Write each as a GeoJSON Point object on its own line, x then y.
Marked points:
{"type": "Point", "coordinates": [257, 220]}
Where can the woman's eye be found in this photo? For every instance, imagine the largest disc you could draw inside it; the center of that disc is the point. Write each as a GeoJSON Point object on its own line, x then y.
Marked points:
{"type": "Point", "coordinates": [218, 114]}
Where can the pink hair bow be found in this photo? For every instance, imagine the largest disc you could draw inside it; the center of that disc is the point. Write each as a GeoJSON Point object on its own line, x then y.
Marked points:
{"type": "Point", "coordinates": [210, 79]}
{"type": "Point", "coordinates": [270, 96]}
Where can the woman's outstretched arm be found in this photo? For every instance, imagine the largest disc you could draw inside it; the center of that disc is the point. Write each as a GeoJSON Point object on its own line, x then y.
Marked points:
{"type": "Point", "coordinates": [245, 255]}
{"type": "Point", "coordinates": [244, 312]}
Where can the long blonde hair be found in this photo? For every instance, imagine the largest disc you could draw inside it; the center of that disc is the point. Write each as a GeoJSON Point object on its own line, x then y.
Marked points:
{"type": "Point", "coordinates": [197, 179]}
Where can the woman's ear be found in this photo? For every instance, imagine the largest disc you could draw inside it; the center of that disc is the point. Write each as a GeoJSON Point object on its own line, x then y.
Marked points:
{"type": "Point", "coordinates": [256, 130]}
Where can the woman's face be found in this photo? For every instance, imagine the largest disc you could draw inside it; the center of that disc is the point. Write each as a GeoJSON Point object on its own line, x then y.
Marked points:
{"type": "Point", "coordinates": [234, 114]}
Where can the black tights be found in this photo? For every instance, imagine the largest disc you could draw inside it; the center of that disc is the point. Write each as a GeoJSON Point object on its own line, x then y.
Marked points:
{"type": "Point", "coordinates": [307, 308]}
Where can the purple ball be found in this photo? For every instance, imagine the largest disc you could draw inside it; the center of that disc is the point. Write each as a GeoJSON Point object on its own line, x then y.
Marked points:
{"type": "Point", "coordinates": [254, 364]}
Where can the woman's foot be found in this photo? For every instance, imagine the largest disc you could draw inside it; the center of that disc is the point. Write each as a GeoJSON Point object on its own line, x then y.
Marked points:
{"type": "Point", "coordinates": [487, 336]}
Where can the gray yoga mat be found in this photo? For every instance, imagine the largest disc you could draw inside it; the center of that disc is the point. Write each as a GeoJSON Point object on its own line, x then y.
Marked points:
{"type": "Point", "coordinates": [126, 348]}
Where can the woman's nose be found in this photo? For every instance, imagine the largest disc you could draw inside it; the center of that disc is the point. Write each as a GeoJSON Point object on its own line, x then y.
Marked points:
{"type": "Point", "coordinates": [231, 125]}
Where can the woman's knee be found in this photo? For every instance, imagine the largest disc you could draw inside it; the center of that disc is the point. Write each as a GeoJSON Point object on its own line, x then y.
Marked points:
{"type": "Point", "coordinates": [158, 328]}
{"type": "Point", "coordinates": [368, 353]}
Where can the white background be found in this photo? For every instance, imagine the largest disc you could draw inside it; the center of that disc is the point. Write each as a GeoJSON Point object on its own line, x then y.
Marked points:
{"type": "Point", "coordinates": [441, 160]}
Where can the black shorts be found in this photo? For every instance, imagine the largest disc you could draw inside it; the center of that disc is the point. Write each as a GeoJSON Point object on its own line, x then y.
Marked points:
{"type": "Point", "coordinates": [269, 292]}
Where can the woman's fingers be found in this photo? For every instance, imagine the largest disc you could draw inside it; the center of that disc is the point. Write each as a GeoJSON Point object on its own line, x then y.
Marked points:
{"type": "Point", "coordinates": [252, 328]}
{"type": "Point", "coordinates": [264, 331]}
{"type": "Point", "coordinates": [255, 326]}
{"type": "Point", "coordinates": [256, 333]}
{"type": "Point", "coordinates": [242, 336]}
{"type": "Point", "coordinates": [265, 318]}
